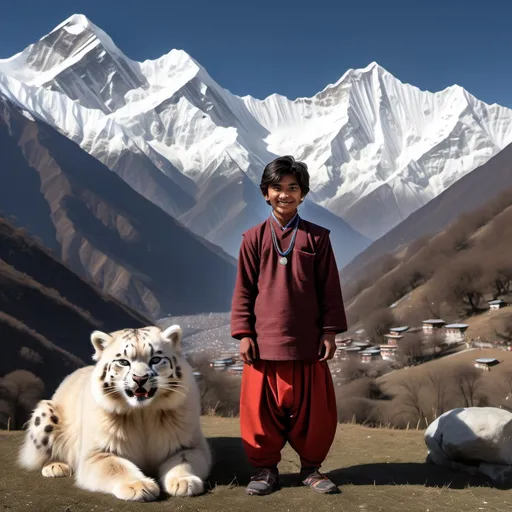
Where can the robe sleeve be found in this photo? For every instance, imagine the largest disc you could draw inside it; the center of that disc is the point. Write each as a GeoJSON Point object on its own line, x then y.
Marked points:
{"type": "Point", "coordinates": [332, 310]}
{"type": "Point", "coordinates": [246, 289]}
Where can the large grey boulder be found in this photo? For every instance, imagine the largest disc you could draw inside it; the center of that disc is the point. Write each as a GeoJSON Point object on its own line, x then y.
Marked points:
{"type": "Point", "coordinates": [473, 439]}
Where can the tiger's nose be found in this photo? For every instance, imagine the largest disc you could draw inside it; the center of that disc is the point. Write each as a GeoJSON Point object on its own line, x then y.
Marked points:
{"type": "Point", "coordinates": [140, 380]}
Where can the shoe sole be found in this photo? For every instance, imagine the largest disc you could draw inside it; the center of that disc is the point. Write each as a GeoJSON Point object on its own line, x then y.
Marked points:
{"type": "Point", "coordinates": [251, 492]}
{"type": "Point", "coordinates": [258, 493]}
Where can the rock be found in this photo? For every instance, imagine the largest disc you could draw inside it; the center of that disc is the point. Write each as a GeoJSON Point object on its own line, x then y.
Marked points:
{"type": "Point", "coordinates": [475, 440]}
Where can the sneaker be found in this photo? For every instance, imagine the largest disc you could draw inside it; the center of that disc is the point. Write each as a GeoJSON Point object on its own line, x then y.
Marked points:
{"type": "Point", "coordinates": [317, 481]}
{"type": "Point", "coordinates": [265, 481]}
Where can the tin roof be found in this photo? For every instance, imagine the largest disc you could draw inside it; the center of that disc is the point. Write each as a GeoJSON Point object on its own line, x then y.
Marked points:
{"type": "Point", "coordinates": [497, 301]}
{"type": "Point", "coordinates": [433, 321]}
{"type": "Point", "coordinates": [402, 328]}
{"type": "Point", "coordinates": [457, 326]}
{"type": "Point", "coordinates": [371, 351]}
{"type": "Point", "coordinates": [486, 360]}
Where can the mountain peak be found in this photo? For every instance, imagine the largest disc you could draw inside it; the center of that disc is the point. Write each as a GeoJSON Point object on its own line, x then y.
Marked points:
{"type": "Point", "coordinates": [76, 23]}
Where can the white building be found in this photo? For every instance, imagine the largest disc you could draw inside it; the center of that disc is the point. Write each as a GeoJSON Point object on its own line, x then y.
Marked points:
{"type": "Point", "coordinates": [455, 332]}
{"type": "Point", "coordinates": [496, 304]}
{"type": "Point", "coordinates": [433, 324]}
{"type": "Point", "coordinates": [388, 352]}
{"type": "Point", "coordinates": [485, 363]}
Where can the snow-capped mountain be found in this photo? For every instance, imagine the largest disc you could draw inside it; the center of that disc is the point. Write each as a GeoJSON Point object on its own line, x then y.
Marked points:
{"type": "Point", "coordinates": [101, 228]}
{"type": "Point", "coordinates": [377, 149]}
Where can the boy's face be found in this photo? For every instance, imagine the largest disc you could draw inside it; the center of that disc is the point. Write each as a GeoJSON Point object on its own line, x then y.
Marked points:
{"type": "Point", "coordinates": [285, 196]}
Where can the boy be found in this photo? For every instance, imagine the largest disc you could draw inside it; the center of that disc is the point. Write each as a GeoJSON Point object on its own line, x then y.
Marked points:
{"type": "Point", "coordinates": [287, 307]}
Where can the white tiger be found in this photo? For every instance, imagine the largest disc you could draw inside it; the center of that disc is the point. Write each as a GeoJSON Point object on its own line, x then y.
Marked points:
{"type": "Point", "coordinates": [128, 422]}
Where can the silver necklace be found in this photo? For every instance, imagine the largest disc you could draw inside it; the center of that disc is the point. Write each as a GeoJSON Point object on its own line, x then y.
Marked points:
{"type": "Point", "coordinates": [283, 260]}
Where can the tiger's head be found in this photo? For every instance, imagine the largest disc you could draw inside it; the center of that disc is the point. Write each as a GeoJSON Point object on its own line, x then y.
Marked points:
{"type": "Point", "coordinates": [140, 368]}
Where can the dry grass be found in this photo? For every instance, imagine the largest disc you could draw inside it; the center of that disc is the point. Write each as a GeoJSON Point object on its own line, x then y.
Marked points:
{"type": "Point", "coordinates": [484, 326]}
{"type": "Point", "coordinates": [492, 378]}
{"type": "Point", "coordinates": [378, 469]}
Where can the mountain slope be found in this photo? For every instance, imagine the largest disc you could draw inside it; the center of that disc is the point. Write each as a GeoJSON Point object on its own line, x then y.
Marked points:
{"type": "Point", "coordinates": [378, 149]}
{"type": "Point", "coordinates": [101, 228]}
{"type": "Point", "coordinates": [222, 202]}
{"type": "Point", "coordinates": [470, 192]}
{"type": "Point", "coordinates": [47, 313]}
{"type": "Point", "coordinates": [450, 275]}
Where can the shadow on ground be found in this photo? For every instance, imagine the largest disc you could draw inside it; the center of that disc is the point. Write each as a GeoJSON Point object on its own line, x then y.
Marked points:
{"type": "Point", "coordinates": [232, 468]}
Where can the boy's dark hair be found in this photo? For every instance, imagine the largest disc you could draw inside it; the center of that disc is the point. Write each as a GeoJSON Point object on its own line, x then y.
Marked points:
{"type": "Point", "coordinates": [282, 166]}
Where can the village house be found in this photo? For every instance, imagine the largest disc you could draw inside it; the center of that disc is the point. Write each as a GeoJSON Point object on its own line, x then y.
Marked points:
{"type": "Point", "coordinates": [485, 363]}
{"type": "Point", "coordinates": [345, 353]}
{"type": "Point", "coordinates": [393, 339]}
{"type": "Point", "coordinates": [455, 332]}
{"type": "Point", "coordinates": [237, 369]}
{"type": "Point", "coordinates": [221, 363]}
{"type": "Point", "coordinates": [399, 330]}
{"type": "Point", "coordinates": [361, 344]}
{"type": "Point", "coordinates": [389, 352]}
{"type": "Point", "coordinates": [342, 343]}
{"type": "Point", "coordinates": [369, 355]}
{"type": "Point", "coordinates": [496, 304]}
{"type": "Point", "coordinates": [433, 324]}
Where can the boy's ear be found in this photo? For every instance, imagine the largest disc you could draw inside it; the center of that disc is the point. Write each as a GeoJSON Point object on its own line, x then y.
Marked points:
{"type": "Point", "coordinates": [100, 341]}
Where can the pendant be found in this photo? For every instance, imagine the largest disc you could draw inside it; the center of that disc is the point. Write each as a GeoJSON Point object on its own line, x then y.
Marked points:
{"type": "Point", "coordinates": [283, 260]}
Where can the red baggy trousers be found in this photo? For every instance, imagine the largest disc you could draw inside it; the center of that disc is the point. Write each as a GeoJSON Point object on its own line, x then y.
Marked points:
{"type": "Point", "coordinates": [287, 401]}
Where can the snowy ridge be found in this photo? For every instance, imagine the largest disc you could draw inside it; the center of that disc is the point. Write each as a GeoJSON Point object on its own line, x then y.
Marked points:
{"type": "Point", "coordinates": [377, 149]}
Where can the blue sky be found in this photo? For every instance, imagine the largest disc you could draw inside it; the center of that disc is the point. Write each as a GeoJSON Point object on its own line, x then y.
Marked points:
{"type": "Point", "coordinates": [296, 48]}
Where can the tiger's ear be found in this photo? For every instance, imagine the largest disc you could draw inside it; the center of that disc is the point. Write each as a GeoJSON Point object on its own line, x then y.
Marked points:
{"type": "Point", "coordinates": [100, 341]}
{"type": "Point", "coordinates": [173, 335]}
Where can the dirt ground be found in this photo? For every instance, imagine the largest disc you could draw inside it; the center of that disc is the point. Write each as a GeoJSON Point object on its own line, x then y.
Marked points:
{"type": "Point", "coordinates": [377, 470]}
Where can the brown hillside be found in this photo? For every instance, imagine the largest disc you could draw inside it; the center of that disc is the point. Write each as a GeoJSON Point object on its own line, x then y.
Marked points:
{"type": "Point", "coordinates": [47, 314]}
{"type": "Point", "coordinates": [467, 194]}
{"type": "Point", "coordinates": [101, 228]}
{"type": "Point", "coordinates": [451, 275]}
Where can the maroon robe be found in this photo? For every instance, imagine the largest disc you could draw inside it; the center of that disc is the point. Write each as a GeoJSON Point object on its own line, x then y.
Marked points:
{"type": "Point", "coordinates": [286, 308]}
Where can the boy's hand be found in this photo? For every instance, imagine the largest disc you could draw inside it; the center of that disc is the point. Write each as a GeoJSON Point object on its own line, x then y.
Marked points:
{"type": "Point", "coordinates": [248, 350]}
{"type": "Point", "coordinates": [328, 344]}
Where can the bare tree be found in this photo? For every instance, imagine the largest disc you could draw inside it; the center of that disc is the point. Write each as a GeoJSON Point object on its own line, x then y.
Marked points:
{"type": "Point", "coordinates": [439, 384]}
{"type": "Point", "coordinates": [378, 323]}
{"type": "Point", "coordinates": [435, 342]}
{"type": "Point", "coordinates": [410, 349]}
{"type": "Point", "coordinates": [220, 390]}
{"type": "Point", "coordinates": [358, 410]}
{"type": "Point", "coordinates": [20, 391]}
{"type": "Point", "coordinates": [499, 275]}
{"type": "Point", "coordinates": [462, 283]}
{"type": "Point", "coordinates": [411, 399]}
{"type": "Point", "coordinates": [468, 380]}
